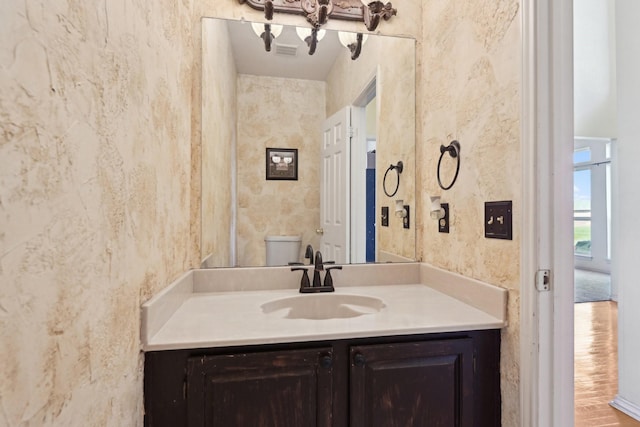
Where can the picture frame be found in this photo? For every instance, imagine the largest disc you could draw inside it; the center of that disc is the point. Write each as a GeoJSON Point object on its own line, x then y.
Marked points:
{"type": "Point", "coordinates": [282, 164]}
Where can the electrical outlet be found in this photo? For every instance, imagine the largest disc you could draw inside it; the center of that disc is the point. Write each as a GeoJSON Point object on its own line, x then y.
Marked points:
{"type": "Point", "coordinates": [405, 219]}
{"type": "Point", "coordinates": [498, 220]}
{"type": "Point", "coordinates": [384, 220]}
{"type": "Point", "coordinates": [443, 223]}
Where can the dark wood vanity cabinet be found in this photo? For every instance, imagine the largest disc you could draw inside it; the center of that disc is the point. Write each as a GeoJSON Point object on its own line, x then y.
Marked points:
{"type": "Point", "coordinates": [265, 389]}
{"type": "Point", "coordinates": [449, 379]}
{"type": "Point", "coordinates": [427, 383]}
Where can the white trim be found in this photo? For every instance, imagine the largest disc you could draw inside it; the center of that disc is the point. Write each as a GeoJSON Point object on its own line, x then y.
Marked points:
{"type": "Point", "coordinates": [528, 264]}
{"type": "Point", "coordinates": [560, 155]}
{"type": "Point", "coordinates": [562, 119]}
{"type": "Point", "coordinates": [629, 408]}
{"type": "Point", "coordinates": [358, 211]}
{"type": "Point", "coordinates": [546, 325]}
{"type": "Point", "coordinates": [233, 229]}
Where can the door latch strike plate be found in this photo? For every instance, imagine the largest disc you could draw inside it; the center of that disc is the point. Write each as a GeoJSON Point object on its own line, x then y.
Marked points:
{"type": "Point", "coordinates": [543, 280]}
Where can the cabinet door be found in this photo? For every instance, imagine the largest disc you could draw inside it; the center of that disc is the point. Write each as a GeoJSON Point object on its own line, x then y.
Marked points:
{"type": "Point", "coordinates": [421, 384]}
{"type": "Point", "coordinates": [264, 389]}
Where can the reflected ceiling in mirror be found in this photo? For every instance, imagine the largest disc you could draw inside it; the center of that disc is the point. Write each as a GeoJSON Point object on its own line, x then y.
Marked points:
{"type": "Point", "coordinates": [254, 99]}
{"type": "Point", "coordinates": [288, 58]}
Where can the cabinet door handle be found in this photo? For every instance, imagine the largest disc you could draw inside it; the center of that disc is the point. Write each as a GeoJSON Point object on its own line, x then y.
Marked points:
{"type": "Point", "coordinates": [326, 361]}
{"type": "Point", "coordinates": [359, 359]}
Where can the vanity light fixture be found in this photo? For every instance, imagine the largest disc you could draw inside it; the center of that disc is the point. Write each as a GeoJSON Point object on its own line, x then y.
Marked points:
{"type": "Point", "coordinates": [267, 32]}
{"type": "Point", "coordinates": [311, 36]}
{"type": "Point", "coordinates": [373, 11]}
{"type": "Point", "coordinates": [318, 12]}
{"type": "Point", "coordinates": [353, 42]}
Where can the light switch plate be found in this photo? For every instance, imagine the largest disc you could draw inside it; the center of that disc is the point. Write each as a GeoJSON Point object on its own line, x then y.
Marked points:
{"type": "Point", "coordinates": [498, 220]}
{"type": "Point", "coordinates": [384, 220]}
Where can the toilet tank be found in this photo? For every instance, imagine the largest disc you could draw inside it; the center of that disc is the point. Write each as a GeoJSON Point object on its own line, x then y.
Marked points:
{"type": "Point", "coordinates": [281, 250]}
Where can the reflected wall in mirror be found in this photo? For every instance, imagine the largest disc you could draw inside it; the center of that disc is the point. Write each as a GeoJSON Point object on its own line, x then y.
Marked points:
{"type": "Point", "coordinates": [285, 98]}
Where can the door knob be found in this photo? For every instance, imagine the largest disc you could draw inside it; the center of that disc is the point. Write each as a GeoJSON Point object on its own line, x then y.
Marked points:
{"type": "Point", "coordinates": [319, 231]}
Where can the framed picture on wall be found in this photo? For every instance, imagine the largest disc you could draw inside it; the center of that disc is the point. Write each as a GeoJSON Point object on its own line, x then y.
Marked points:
{"type": "Point", "coordinates": [282, 163]}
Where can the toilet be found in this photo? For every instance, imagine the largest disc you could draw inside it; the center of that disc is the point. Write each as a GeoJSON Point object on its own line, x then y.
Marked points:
{"type": "Point", "coordinates": [281, 250]}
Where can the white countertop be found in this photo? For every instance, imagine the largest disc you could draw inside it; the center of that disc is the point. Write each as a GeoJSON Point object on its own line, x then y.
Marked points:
{"type": "Point", "coordinates": [192, 314]}
{"type": "Point", "coordinates": [236, 318]}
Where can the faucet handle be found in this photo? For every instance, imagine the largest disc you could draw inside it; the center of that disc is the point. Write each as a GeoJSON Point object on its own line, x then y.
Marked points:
{"type": "Point", "coordinates": [328, 280]}
{"type": "Point", "coordinates": [304, 281]}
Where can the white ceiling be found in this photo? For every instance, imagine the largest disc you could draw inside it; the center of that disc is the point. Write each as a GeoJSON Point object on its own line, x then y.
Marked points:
{"type": "Point", "coordinates": [252, 58]}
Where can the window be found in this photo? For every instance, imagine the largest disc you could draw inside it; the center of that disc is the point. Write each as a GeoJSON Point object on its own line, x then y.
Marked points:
{"type": "Point", "coordinates": [582, 211]}
{"type": "Point", "coordinates": [592, 202]}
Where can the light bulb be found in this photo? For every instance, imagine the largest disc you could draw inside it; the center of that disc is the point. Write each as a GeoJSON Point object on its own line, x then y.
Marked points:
{"type": "Point", "coordinates": [276, 30]}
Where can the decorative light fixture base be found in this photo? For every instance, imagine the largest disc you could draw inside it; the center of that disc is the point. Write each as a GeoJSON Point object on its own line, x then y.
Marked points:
{"type": "Point", "coordinates": [318, 12]}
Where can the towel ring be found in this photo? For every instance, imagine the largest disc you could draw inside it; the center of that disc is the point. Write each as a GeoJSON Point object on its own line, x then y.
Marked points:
{"type": "Point", "coordinates": [398, 168]}
{"type": "Point", "coordinates": [454, 150]}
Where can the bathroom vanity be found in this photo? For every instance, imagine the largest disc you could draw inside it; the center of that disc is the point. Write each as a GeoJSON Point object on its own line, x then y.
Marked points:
{"type": "Point", "coordinates": [389, 347]}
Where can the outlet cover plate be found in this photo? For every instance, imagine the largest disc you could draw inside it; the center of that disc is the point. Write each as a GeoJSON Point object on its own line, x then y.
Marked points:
{"type": "Point", "coordinates": [498, 220]}
{"type": "Point", "coordinates": [443, 223]}
{"type": "Point", "coordinates": [405, 219]}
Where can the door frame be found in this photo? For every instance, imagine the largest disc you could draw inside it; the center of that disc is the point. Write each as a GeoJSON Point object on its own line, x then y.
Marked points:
{"type": "Point", "coordinates": [358, 168]}
{"type": "Point", "coordinates": [546, 318]}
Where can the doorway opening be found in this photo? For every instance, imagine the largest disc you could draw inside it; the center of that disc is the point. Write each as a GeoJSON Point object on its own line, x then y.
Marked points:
{"type": "Point", "coordinates": [363, 174]}
{"type": "Point", "coordinates": [598, 170]}
{"type": "Point", "coordinates": [348, 181]}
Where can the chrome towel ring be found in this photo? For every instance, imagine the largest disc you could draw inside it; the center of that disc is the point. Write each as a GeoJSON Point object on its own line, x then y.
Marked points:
{"type": "Point", "coordinates": [454, 150]}
{"type": "Point", "coordinates": [398, 168]}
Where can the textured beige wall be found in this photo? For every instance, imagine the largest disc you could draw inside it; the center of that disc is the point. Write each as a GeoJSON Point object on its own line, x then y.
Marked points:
{"type": "Point", "coordinates": [392, 61]}
{"type": "Point", "coordinates": [471, 92]}
{"type": "Point", "coordinates": [95, 101]}
{"type": "Point", "coordinates": [99, 210]}
{"type": "Point", "coordinates": [218, 142]}
{"type": "Point", "coordinates": [277, 207]}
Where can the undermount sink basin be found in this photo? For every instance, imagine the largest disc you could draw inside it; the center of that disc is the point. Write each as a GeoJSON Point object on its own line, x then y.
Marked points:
{"type": "Point", "coordinates": [323, 306]}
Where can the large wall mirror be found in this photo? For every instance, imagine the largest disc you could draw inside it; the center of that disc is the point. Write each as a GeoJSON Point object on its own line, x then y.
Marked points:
{"type": "Point", "coordinates": [340, 122]}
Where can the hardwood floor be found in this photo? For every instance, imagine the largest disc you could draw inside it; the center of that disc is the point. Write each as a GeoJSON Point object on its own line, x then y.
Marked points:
{"type": "Point", "coordinates": [596, 366]}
